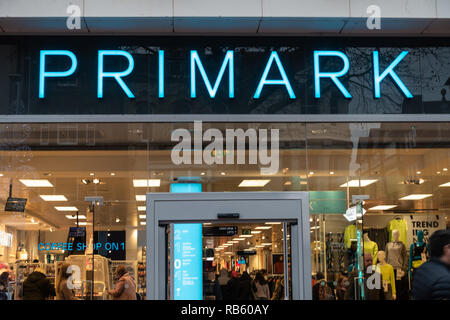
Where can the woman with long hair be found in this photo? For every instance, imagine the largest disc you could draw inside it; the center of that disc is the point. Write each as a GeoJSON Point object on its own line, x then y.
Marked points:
{"type": "Point", "coordinates": [261, 287]}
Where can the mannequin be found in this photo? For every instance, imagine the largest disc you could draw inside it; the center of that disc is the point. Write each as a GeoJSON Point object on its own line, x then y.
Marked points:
{"type": "Point", "coordinates": [396, 257]}
{"type": "Point", "coordinates": [417, 253]}
{"type": "Point", "coordinates": [388, 277]}
{"type": "Point", "coordinates": [370, 247]}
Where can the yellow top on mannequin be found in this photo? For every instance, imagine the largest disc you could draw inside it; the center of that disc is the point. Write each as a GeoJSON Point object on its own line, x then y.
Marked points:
{"type": "Point", "coordinates": [370, 247]}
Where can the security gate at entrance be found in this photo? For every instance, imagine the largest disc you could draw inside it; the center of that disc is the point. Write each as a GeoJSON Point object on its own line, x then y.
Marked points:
{"type": "Point", "coordinates": [193, 236]}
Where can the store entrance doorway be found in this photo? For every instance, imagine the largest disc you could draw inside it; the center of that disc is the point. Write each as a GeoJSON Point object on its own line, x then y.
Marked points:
{"type": "Point", "coordinates": [196, 240]}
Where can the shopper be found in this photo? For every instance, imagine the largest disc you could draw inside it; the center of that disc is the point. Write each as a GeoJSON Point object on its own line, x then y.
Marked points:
{"type": "Point", "coordinates": [233, 286]}
{"type": "Point", "coordinates": [372, 293]}
{"type": "Point", "coordinates": [431, 281]}
{"type": "Point", "coordinates": [63, 292]}
{"type": "Point", "coordinates": [321, 290]}
{"type": "Point", "coordinates": [4, 276]}
{"type": "Point", "coordinates": [223, 281]}
{"type": "Point", "coordinates": [245, 287]}
{"type": "Point", "coordinates": [37, 286]}
{"type": "Point", "coordinates": [341, 287]}
{"type": "Point", "coordinates": [125, 286]}
{"type": "Point", "coordinates": [260, 287]}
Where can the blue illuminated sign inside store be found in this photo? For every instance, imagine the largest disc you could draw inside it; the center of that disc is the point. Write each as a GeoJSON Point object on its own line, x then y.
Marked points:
{"type": "Point", "coordinates": [187, 261]}
{"type": "Point", "coordinates": [196, 66]}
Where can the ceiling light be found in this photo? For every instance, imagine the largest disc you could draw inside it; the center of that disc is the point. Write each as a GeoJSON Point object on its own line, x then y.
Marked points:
{"type": "Point", "coordinates": [256, 232]}
{"type": "Point", "coordinates": [438, 172]}
{"type": "Point", "coordinates": [36, 182]}
{"type": "Point", "coordinates": [142, 208]}
{"type": "Point", "coordinates": [91, 173]}
{"type": "Point", "coordinates": [203, 173]}
{"type": "Point", "coordinates": [68, 208]}
{"type": "Point", "coordinates": [263, 228]}
{"type": "Point", "coordinates": [311, 173]}
{"type": "Point", "coordinates": [445, 169]}
{"type": "Point", "coordinates": [254, 183]}
{"type": "Point", "coordinates": [447, 184]}
{"type": "Point", "coordinates": [287, 183]}
{"type": "Point", "coordinates": [238, 239]}
{"type": "Point", "coordinates": [96, 181]}
{"type": "Point", "coordinates": [86, 181]}
{"type": "Point", "coordinates": [141, 197]}
{"type": "Point", "coordinates": [222, 173]}
{"type": "Point", "coordinates": [146, 182]}
{"type": "Point", "coordinates": [259, 246]}
{"type": "Point", "coordinates": [83, 223]}
{"type": "Point", "coordinates": [416, 197]}
{"type": "Point", "coordinates": [357, 183]}
{"type": "Point", "coordinates": [273, 223]}
{"type": "Point", "coordinates": [245, 236]}
{"type": "Point", "coordinates": [1, 174]}
{"type": "Point", "coordinates": [142, 216]}
{"type": "Point", "coordinates": [117, 220]}
{"type": "Point", "coordinates": [266, 244]}
{"type": "Point", "coordinates": [53, 197]}
{"type": "Point", "coordinates": [419, 172]}
{"type": "Point", "coordinates": [73, 217]}
{"type": "Point", "coordinates": [383, 207]}
{"type": "Point", "coordinates": [234, 241]}
{"type": "Point", "coordinates": [143, 223]}
{"type": "Point", "coordinates": [112, 173]}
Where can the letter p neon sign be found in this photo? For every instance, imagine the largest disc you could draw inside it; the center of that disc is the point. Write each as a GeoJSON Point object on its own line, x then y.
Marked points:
{"type": "Point", "coordinates": [54, 74]}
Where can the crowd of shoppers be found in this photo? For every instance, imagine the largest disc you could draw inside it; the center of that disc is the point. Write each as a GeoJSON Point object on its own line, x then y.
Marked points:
{"type": "Point", "coordinates": [235, 286]}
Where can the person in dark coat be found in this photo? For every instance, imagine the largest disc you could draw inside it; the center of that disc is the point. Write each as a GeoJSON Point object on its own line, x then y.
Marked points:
{"type": "Point", "coordinates": [245, 287]}
{"type": "Point", "coordinates": [431, 281]}
{"type": "Point", "coordinates": [37, 287]}
{"type": "Point", "coordinates": [233, 287]}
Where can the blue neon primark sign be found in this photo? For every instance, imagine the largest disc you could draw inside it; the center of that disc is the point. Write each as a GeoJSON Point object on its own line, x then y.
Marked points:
{"type": "Point", "coordinates": [196, 67]}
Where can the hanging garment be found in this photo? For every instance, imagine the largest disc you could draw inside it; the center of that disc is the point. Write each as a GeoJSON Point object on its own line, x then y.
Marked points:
{"type": "Point", "coordinates": [388, 277]}
{"type": "Point", "coordinates": [380, 236]}
{"type": "Point", "coordinates": [418, 254]}
{"type": "Point", "coordinates": [372, 248]}
{"type": "Point", "coordinates": [349, 235]}
{"type": "Point", "coordinates": [399, 225]}
{"type": "Point", "coordinates": [396, 255]}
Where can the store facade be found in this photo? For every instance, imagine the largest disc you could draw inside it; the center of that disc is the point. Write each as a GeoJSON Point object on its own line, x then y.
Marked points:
{"type": "Point", "coordinates": [93, 127]}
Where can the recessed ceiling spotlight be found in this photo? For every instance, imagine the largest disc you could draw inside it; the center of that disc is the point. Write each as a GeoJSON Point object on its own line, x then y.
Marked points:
{"type": "Point", "coordinates": [203, 173]}
{"type": "Point", "coordinates": [419, 172]}
{"type": "Point", "coordinates": [311, 173]}
{"type": "Point", "coordinates": [222, 173]}
{"type": "Point", "coordinates": [117, 220]}
{"type": "Point", "coordinates": [91, 174]}
{"type": "Point", "coordinates": [112, 173]}
{"type": "Point", "coordinates": [331, 172]}
{"type": "Point", "coordinates": [445, 169]}
{"type": "Point", "coordinates": [96, 181]}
